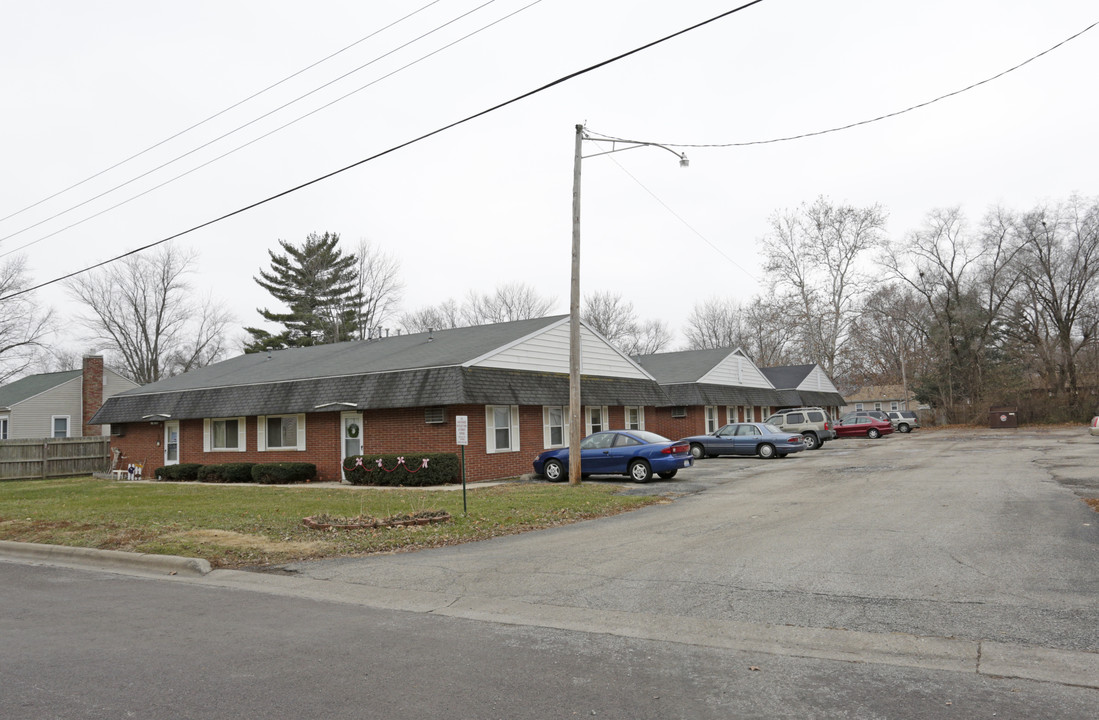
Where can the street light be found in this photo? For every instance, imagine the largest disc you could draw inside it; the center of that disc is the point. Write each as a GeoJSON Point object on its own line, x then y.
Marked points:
{"type": "Point", "coordinates": [575, 421]}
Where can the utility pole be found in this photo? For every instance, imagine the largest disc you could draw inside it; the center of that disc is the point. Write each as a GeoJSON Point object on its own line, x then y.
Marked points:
{"type": "Point", "coordinates": [575, 422]}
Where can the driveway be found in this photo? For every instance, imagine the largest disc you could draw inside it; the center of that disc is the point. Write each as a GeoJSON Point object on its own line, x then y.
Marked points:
{"type": "Point", "coordinates": [972, 535]}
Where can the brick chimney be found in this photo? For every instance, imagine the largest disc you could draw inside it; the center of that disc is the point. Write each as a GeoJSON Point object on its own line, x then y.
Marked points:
{"type": "Point", "coordinates": [91, 397]}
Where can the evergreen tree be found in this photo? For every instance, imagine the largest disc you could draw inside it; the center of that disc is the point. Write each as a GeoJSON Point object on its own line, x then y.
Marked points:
{"type": "Point", "coordinates": [316, 282]}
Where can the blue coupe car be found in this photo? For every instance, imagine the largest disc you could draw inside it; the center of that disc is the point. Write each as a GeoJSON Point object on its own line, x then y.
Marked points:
{"type": "Point", "coordinates": [761, 439]}
{"type": "Point", "coordinates": [634, 453]}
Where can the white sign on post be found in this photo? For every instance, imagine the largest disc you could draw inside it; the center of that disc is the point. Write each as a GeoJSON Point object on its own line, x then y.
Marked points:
{"type": "Point", "coordinates": [461, 424]}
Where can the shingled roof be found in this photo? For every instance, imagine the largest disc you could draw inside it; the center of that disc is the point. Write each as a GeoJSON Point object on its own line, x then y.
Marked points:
{"type": "Point", "coordinates": [417, 370]}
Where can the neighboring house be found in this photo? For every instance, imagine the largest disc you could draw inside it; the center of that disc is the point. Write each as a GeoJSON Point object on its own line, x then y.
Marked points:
{"type": "Point", "coordinates": [878, 397]}
{"type": "Point", "coordinates": [806, 386]}
{"type": "Point", "coordinates": [710, 388]}
{"type": "Point", "coordinates": [399, 394]}
{"type": "Point", "coordinates": [58, 404]}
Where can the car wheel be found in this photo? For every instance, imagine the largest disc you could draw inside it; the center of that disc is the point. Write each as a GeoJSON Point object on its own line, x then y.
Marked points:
{"type": "Point", "coordinates": [873, 433]}
{"type": "Point", "coordinates": [640, 471]}
{"type": "Point", "coordinates": [554, 471]}
{"type": "Point", "coordinates": [668, 475]}
{"type": "Point", "coordinates": [810, 441]}
{"type": "Point", "coordinates": [766, 451]}
{"type": "Point", "coordinates": [903, 427]}
{"type": "Point", "coordinates": [697, 451]}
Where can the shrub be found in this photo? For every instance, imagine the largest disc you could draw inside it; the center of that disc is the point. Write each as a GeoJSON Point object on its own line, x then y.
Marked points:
{"type": "Point", "coordinates": [442, 468]}
{"type": "Point", "coordinates": [180, 472]}
{"type": "Point", "coordinates": [283, 472]}
{"type": "Point", "coordinates": [240, 472]}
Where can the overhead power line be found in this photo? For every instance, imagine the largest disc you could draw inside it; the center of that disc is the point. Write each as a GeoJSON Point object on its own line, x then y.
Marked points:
{"type": "Point", "coordinates": [217, 114]}
{"type": "Point", "coordinates": [391, 150]}
{"type": "Point", "coordinates": [871, 120]}
{"type": "Point", "coordinates": [237, 129]}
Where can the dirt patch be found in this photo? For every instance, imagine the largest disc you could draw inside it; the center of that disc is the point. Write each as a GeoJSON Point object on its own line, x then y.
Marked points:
{"type": "Point", "coordinates": [1094, 502]}
{"type": "Point", "coordinates": [227, 538]}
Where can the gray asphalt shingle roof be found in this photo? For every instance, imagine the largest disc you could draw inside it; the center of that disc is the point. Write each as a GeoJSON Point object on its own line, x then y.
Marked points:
{"type": "Point", "coordinates": [684, 366]}
{"type": "Point", "coordinates": [787, 377]}
{"type": "Point", "coordinates": [32, 385]}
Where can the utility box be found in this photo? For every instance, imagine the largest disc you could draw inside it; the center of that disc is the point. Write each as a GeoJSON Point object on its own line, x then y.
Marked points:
{"type": "Point", "coordinates": [1003, 417]}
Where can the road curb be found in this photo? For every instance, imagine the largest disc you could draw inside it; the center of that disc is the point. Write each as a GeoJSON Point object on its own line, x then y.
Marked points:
{"type": "Point", "coordinates": [116, 559]}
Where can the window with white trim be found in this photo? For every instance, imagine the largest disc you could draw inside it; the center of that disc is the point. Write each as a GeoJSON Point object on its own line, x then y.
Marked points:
{"type": "Point", "coordinates": [894, 405]}
{"type": "Point", "coordinates": [596, 419]}
{"type": "Point", "coordinates": [749, 413]}
{"type": "Point", "coordinates": [858, 406]}
{"type": "Point", "coordinates": [3, 427]}
{"type": "Point", "coordinates": [280, 432]}
{"type": "Point", "coordinates": [59, 426]}
{"type": "Point", "coordinates": [502, 428]}
{"type": "Point", "coordinates": [877, 406]}
{"type": "Point", "coordinates": [554, 432]}
{"type": "Point", "coordinates": [711, 418]}
{"type": "Point", "coordinates": [224, 435]}
{"type": "Point", "coordinates": [635, 417]}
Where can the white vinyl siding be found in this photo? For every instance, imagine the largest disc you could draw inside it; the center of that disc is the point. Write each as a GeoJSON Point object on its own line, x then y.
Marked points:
{"type": "Point", "coordinates": [548, 351]}
{"type": "Point", "coordinates": [224, 435]}
{"type": "Point", "coordinates": [555, 426]}
{"type": "Point", "coordinates": [281, 432]}
{"type": "Point", "coordinates": [817, 380]}
{"type": "Point", "coordinates": [738, 371]}
{"type": "Point", "coordinates": [501, 428]}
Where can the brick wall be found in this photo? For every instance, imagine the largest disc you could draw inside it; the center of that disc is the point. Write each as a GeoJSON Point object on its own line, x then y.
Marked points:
{"type": "Point", "coordinates": [91, 394]}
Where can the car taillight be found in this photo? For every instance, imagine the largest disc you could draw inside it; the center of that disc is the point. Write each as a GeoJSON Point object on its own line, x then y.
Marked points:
{"type": "Point", "coordinates": [794, 440]}
{"type": "Point", "coordinates": [676, 449]}
{"type": "Point", "coordinates": [827, 426]}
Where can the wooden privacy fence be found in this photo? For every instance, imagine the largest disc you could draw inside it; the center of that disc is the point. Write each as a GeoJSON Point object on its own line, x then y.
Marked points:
{"type": "Point", "coordinates": [53, 457]}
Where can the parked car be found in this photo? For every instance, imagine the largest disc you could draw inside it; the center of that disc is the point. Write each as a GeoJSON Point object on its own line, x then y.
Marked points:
{"type": "Point", "coordinates": [812, 423]}
{"type": "Point", "coordinates": [879, 414]}
{"type": "Point", "coordinates": [635, 453]}
{"type": "Point", "coordinates": [904, 420]}
{"type": "Point", "coordinates": [1094, 427]}
{"type": "Point", "coordinates": [871, 427]}
{"type": "Point", "coordinates": [761, 439]}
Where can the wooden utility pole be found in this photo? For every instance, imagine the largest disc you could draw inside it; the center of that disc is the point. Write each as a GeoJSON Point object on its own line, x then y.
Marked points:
{"type": "Point", "coordinates": [575, 421]}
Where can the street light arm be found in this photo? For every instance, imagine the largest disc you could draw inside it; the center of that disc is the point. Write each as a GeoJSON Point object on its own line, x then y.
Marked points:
{"type": "Point", "coordinates": [633, 145]}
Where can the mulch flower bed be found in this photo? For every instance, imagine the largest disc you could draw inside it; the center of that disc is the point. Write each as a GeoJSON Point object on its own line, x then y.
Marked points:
{"type": "Point", "coordinates": [365, 522]}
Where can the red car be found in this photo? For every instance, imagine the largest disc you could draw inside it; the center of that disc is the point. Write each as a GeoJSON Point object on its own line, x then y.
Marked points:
{"type": "Point", "coordinates": [859, 426]}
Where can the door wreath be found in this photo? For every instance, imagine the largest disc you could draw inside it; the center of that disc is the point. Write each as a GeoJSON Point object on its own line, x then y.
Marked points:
{"type": "Point", "coordinates": [353, 430]}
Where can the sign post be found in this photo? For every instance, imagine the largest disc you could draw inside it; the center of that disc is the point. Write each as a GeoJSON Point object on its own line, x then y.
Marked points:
{"type": "Point", "coordinates": [461, 426]}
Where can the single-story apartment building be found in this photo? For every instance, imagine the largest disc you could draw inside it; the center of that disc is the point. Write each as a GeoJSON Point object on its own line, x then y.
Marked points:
{"type": "Point", "coordinates": [809, 384]}
{"type": "Point", "coordinates": [878, 397]}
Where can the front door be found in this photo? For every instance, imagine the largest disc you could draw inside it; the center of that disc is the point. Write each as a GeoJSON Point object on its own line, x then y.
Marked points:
{"type": "Point", "coordinates": [352, 436]}
{"type": "Point", "coordinates": [171, 442]}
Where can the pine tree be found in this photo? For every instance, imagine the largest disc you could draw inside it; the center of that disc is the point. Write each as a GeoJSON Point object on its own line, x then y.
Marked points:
{"type": "Point", "coordinates": [316, 282]}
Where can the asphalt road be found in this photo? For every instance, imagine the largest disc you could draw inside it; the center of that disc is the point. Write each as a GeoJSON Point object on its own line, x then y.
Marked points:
{"type": "Point", "coordinates": [931, 575]}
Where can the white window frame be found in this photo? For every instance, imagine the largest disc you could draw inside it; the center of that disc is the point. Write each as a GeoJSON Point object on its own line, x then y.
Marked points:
{"type": "Point", "coordinates": [4, 425]}
{"type": "Point", "coordinates": [640, 417]}
{"type": "Point", "coordinates": [894, 405]}
{"type": "Point", "coordinates": [261, 433]}
{"type": "Point", "coordinates": [208, 435]}
{"type": "Point", "coordinates": [749, 413]}
{"type": "Point", "coordinates": [764, 412]}
{"type": "Point", "coordinates": [877, 406]}
{"type": "Point", "coordinates": [604, 419]}
{"type": "Point", "coordinates": [858, 406]}
{"type": "Point", "coordinates": [711, 419]}
{"type": "Point", "coordinates": [490, 429]}
{"type": "Point", "coordinates": [547, 428]}
{"type": "Point", "coordinates": [68, 425]}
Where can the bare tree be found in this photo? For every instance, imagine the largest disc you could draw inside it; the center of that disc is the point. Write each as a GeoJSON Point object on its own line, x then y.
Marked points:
{"type": "Point", "coordinates": [767, 335]}
{"type": "Point", "coordinates": [513, 301]}
{"type": "Point", "coordinates": [442, 317]}
{"type": "Point", "coordinates": [616, 320]}
{"type": "Point", "coordinates": [814, 261]}
{"type": "Point", "coordinates": [142, 311]}
{"type": "Point", "coordinates": [648, 337]}
{"type": "Point", "coordinates": [379, 286]}
{"type": "Point", "coordinates": [24, 326]}
{"type": "Point", "coordinates": [1057, 312]}
{"type": "Point", "coordinates": [714, 323]}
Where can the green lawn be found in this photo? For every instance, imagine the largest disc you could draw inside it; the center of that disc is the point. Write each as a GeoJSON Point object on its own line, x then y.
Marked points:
{"type": "Point", "coordinates": [240, 526]}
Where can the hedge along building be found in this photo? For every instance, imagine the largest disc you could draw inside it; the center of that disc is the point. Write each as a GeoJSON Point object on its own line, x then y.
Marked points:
{"type": "Point", "coordinates": [399, 394]}
{"type": "Point", "coordinates": [710, 388]}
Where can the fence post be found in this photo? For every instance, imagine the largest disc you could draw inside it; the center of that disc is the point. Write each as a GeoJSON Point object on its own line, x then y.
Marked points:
{"type": "Point", "coordinates": [45, 456]}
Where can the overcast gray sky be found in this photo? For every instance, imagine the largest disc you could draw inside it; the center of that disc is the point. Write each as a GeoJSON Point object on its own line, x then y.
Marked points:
{"type": "Point", "coordinates": [86, 85]}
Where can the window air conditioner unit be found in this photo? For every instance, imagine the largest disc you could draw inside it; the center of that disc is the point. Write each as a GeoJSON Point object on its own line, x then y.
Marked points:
{"type": "Point", "coordinates": [118, 429]}
{"type": "Point", "coordinates": [434, 415]}
{"type": "Point", "coordinates": [679, 411]}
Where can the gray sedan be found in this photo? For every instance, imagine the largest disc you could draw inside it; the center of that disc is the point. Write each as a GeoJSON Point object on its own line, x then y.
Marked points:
{"type": "Point", "coordinates": [761, 439]}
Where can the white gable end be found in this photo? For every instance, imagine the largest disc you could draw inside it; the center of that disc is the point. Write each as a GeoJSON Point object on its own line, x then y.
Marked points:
{"type": "Point", "coordinates": [548, 351]}
{"type": "Point", "coordinates": [818, 380]}
{"type": "Point", "coordinates": [738, 371]}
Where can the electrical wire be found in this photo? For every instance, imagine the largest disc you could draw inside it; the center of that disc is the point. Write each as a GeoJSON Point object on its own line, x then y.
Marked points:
{"type": "Point", "coordinates": [391, 150]}
{"type": "Point", "coordinates": [261, 137]}
{"type": "Point", "coordinates": [237, 129]}
{"type": "Point", "coordinates": [219, 113]}
{"type": "Point", "coordinates": [872, 120]}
